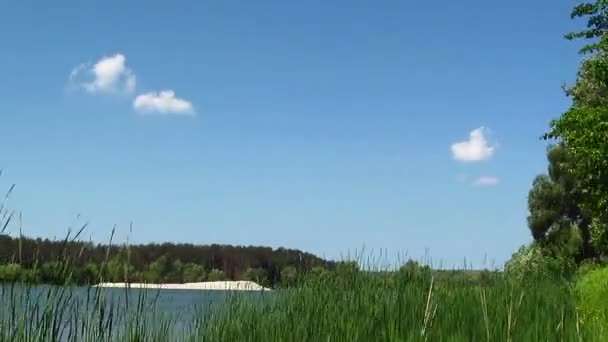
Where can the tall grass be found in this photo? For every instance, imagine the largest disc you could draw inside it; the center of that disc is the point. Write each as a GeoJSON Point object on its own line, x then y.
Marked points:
{"type": "Point", "coordinates": [364, 307]}
{"type": "Point", "coordinates": [348, 306]}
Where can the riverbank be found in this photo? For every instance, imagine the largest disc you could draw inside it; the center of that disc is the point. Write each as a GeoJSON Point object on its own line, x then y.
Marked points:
{"type": "Point", "coordinates": [240, 285]}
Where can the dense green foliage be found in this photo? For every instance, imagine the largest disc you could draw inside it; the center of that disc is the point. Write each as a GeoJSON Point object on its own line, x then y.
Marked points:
{"type": "Point", "coordinates": [556, 220]}
{"type": "Point", "coordinates": [569, 207]}
{"type": "Point", "coordinates": [592, 288]}
{"type": "Point", "coordinates": [37, 260]}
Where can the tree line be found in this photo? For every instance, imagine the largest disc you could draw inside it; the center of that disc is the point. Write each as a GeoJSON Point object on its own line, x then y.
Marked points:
{"type": "Point", "coordinates": [569, 204]}
{"type": "Point", "coordinates": [57, 262]}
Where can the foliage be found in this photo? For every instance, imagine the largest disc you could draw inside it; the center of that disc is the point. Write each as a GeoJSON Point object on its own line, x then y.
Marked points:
{"type": "Point", "coordinates": [194, 273]}
{"type": "Point", "coordinates": [597, 24]}
{"type": "Point", "coordinates": [153, 263]}
{"type": "Point", "coordinates": [591, 86]}
{"type": "Point", "coordinates": [216, 275]}
{"type": "Point", "coordinates": [412, 270]}
{"type": "Point", "coordinates": [582, 136]}
{"type": "Point", "coordinates": [556, 218]}
{"type": "Point", "coordinates": [257, 275]}
{"type": "Point", "coordinates": [592, 289]}
{"type": "Point", "coordinates": [11, 272]}
{"type": "Point", "coordinates": [584, 133]}
{"type": "Point", "coordinates": [289, 276]}
{"type": "Point", "coordinates": [535, 262]}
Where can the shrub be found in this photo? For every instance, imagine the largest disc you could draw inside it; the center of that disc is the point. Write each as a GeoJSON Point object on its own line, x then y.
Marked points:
{"type": "Point", "coordinates": [10, 272]}
{"type": "Point", "coordinates": [216, 275]}
{"type": "Point", "coordinates": [534, 262]}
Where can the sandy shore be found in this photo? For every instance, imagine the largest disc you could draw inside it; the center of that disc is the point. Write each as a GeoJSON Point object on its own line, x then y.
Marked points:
{"type": "Point", "coordinates": [208, 285]}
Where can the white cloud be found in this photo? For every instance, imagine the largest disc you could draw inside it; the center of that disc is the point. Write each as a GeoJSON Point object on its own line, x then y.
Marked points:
{"type": "Point", "coordinates": [475, 149]}
{"type": "Point", "coordinates": [108, 75]}
{"type": "Point", "coordinates": [486, 181]}
{"type": "Point", "coordinates": [163, 102]}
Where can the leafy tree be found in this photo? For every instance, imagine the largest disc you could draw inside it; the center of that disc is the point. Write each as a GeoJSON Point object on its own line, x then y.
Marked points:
{"type": "Point", "coordinates": [90, 273]}
{"type": "Point", "coordinates": [145, 262]}
{"type": "Point", "coordinates": [413, 270]}
{"type": "Point", "coordinates": [193, 273]}
{"type": "Point", "coordinates": [578, 195]}
{"type": "Point", "coordinates": [118, 270]}
{"type": "Point", "coordinates": [175, 274]}
{"type": "Point", "coordinates": [556, 218]}
{"type": "Point", "coordinates": [257, 275]}
{"type": "Point", "coordinates": [160, 266]}
{"type": "Point", "coordinates": [531, 262]}
{"type": "Point", "coordinates": [216, 275]}
{"type": "Point", "coordinates": [597, 24]}
{"type": "Point", "coordinates": [29, 276]}
{"type": "Point", "coordinates": [289, 276]}
{"type": "Point", "coordinates": [584, 132]}
{"type": "Point", "coordinates": [318, 272]}
{"type": "Point", "coordinates": [10, 273]}
{"type": "Point", "coordinates": [53, 272]}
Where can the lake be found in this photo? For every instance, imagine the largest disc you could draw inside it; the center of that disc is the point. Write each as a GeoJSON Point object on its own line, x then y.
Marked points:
{"type": "Point", "coordinates": [79, 310]}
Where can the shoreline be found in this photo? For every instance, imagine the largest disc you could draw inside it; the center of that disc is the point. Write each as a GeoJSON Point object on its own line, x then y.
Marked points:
{"type": "Point", "coordinates": [239, 285]}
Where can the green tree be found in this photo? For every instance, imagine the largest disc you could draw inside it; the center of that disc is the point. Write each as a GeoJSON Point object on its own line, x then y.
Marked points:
{"type": "Point", "coordinates": [11, 273]}
{"type": "Point", "coordinates": [257, 275]}
{"type": "Point", "coordinates": [90, 273]}
{"type": "Point", "coordinates": [582, 134]}
{"type": "Point", "coordinates": [289, 276]}
{"type": "Point", "coordinates": [53, 272]}
{"type": "Point", "coordinates": [532, 262]}
{"type": "Point", "coordinates": [413, 270]}
{"type": "Point", "coordinates": [556, 218]}
{"type": "Point", "coordinates": [157, 270]}
{"type": "Point", "coordinates": [193, 273]}
{"type": "Point", "coordinates": [175, 273]}
{"type": "Point", "coordinates": [596, 14]}
{"type": "Point", "coordinates": [119, 270]}
{"type": "Point", "coordinates": [318, 272]}
{"type": "Point", "coordinates": [216, 275]}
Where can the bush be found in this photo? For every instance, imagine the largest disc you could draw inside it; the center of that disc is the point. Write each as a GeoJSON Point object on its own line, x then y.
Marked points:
{"type": "Point", "coordinates": [257, 275]}
{"type": "Point", "coordinates": [289, 276]}
{"type": "Point", "coordinates": [535, 262]}
{"type": "Point", "coordinates": [592, 290]}
{"type": "Point", "coordinates": [10, 273]}
{"type": "Point", "coordinates": [216, 275]}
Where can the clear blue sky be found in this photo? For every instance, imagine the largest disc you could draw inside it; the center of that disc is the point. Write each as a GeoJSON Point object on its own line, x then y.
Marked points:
{"type": "Point", "coordinates": [319, 125]}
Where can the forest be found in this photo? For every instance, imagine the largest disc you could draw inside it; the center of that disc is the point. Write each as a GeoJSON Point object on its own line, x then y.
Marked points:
{"type": "Point", "coordinates": [44, 261]}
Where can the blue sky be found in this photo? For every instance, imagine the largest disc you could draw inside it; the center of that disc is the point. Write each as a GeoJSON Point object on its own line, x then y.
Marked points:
{"type": "Point", "coordinates": [326, 126]}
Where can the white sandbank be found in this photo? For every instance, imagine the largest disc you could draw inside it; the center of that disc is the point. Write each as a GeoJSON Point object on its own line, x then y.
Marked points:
{"type": "Point", "coordinates": [240, 285]}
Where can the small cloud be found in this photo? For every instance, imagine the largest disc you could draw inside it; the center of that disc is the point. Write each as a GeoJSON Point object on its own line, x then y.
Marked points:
{"type": "Point", "coordinates": [486, 181]}
{"type": "Point", "coordinates": [476, 148]}
{"type": "Point", "coordinates": [163, 102]}
{"type": "Point", "coordinates": [108, 75]}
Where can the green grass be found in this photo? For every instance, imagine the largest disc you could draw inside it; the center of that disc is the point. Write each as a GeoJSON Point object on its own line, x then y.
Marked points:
{"type": "Point", "coordinates": [351, 306]}
{"type": "Point", "coordinates": [359, 307]}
